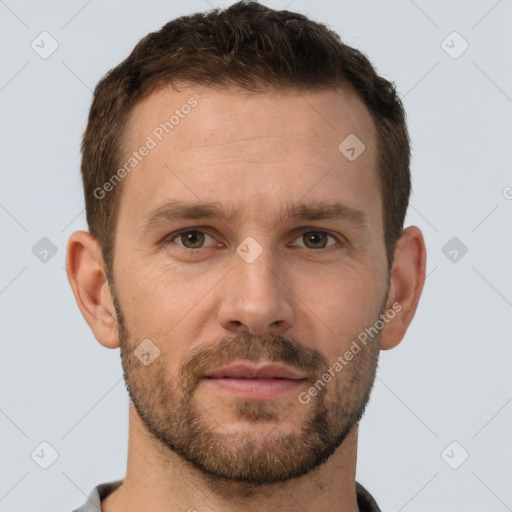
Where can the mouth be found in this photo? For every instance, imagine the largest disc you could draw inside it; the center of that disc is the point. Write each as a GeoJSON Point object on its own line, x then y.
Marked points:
{"type": "Point", "coordinates": [266, 382]}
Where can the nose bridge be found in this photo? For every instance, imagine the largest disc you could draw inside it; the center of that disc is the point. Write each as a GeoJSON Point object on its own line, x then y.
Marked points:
{"type": "Point", "coordinates": [254, 296]}
{"type": "Point", "coordinates": [256, 272]}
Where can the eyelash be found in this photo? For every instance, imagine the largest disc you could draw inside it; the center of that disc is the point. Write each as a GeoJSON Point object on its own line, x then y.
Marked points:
{"type": "Point", "coordinates": [190, 250]}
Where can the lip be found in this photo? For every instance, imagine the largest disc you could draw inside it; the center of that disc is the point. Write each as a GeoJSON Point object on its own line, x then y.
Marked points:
{"type": "Point", "coordinates": [248, 382]}
{"type": "Point", "coordinates": [248, 371]}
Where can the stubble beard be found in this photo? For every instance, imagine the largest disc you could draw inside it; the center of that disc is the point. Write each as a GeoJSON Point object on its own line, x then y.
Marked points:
{"type": "Point", "coordinates": [228, 460]}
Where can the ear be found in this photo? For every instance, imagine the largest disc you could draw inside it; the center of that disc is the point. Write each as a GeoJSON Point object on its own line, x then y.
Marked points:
{"type": "Point", "coordinates": [407, 278]}
{"type": "Point", "coordinates": [86, 274]}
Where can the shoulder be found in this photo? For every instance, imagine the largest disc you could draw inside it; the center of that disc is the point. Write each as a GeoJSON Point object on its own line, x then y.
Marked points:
{"type": "Point", "coordinates": [99, 493]}
{"type": "Point", "coordinates": [365, 500]}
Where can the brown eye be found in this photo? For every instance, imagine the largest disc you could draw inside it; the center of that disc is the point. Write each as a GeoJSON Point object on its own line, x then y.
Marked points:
{"type": "Point", "coordinates": [315, 239]}
{"type": "Point", "coordinates": [192, 239]}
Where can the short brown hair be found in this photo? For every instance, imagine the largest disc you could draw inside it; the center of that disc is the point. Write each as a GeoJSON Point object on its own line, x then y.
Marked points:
{"type": "Point", "coordinates": [258, 49]}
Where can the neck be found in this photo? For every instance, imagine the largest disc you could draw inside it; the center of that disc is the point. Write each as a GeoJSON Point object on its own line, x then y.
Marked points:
{"type": "Point", "coordinates": [159, 480]}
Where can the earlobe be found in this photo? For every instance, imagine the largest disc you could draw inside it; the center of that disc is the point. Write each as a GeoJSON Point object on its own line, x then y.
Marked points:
{"type": "Point", "coordinates": [86, 275]}
{"type": "Point", "coordinates": [407, 279]}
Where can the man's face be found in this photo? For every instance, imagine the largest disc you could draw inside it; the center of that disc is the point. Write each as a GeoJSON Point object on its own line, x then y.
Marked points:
{"type": "Point", "coordinates": [257, 286]}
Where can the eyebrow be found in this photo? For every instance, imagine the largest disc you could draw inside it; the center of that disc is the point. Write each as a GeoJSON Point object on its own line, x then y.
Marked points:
{"type": "Point", "coordinates": [176, 210]}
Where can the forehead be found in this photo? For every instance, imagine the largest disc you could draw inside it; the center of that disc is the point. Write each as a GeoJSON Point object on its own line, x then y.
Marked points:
{"type": "Point", "coordinates": [301, 114]}
{"type": "Point", "coordinates": [249, 149]}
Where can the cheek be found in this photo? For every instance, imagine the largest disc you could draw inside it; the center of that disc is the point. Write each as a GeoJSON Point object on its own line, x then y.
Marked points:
{"type": "Point", "coordinates": [163, 303]}
{"type": "Point", "coordinates": [344, 301]}
{"type": "Point", "coordinates": [146, 299]}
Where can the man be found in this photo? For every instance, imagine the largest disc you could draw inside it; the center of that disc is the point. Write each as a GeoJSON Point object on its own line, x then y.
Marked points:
{"type": "Point", "coordinates": [246, 179]}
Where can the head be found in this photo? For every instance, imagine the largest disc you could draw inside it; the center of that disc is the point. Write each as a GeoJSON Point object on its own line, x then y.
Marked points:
{"type": "Point", "coordinates": [246, 178]}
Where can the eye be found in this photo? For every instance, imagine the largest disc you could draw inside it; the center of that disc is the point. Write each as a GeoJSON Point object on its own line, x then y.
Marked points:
{"type": "Point", "coordinates": [316, 240]}
{"type": "Point", "coordinates": [193, 239]}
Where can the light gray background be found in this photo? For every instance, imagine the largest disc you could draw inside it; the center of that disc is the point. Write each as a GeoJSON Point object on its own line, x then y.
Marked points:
{"type": "Point", "coordinates": [449, 380]}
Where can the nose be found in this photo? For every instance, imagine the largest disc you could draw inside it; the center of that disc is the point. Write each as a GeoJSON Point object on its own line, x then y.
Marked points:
{"type": "Point", "coordinates": [256, 297]}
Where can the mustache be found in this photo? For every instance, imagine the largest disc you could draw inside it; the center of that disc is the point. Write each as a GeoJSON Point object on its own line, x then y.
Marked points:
{"type": "Point", "coordinates": [270, 348]}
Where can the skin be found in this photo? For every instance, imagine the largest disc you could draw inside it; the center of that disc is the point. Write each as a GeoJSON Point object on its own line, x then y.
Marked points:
{"type": "Point", "coordinates": [257, 154]}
